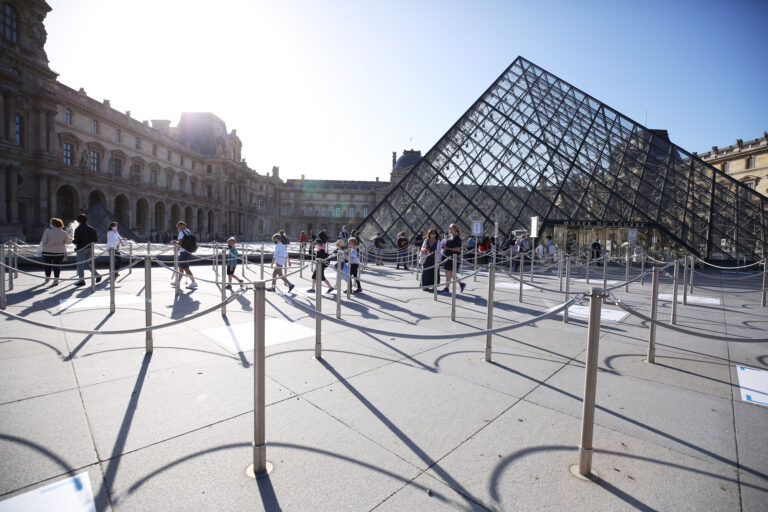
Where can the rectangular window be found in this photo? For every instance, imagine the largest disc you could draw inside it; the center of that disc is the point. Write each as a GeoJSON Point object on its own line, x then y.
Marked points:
{"type": "Point", "coordinates": [260, 205]}
{"type": "Point", "coordinates": [193, 165]}
{"type": "Point", "coordinates": [95, 126]}
{"type": "Point", "coordinates": [138, 143]}
{"type": "Point", "coordinates": [324, 212]}
{"type": "Point", "coordinates": [351, 212]}
{"type": "Point", "coordinates": [19, 130]}
{"type": "Point", "coordinates": [94, 161]}
{"type": "Point", "coordinates": [365, 212]}
{"type": "Point", "coordinates": [154, 149]}
{"type": "Point", "coordinates": [725, 166]}
{"type": "Point", "coordinates": [67, 116]}
{"type": "Point", "coordinates": [66, 153]}
{"type": "Point", "coordinates": [308, 211]}
{"type": "Point", "coordinates": [118, 168]}
{"type": "Point", "coordinates": [750, 162]}
{"type": "Point", "coordinates": [209, 169]}
{"type": "Point", "coordinates": [338, 212]}
{"type": "Point", "coordinates": [209, 191]}
{"type": "Point", "coordinates": [169, 155]}
{"type": "Point", "coordinates": [117, 135]}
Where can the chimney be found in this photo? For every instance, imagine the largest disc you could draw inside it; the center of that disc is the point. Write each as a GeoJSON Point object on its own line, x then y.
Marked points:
{"type": "Point", "coordinates": [106, 104]}
{"type": "Point", "coordinates": [275, 171]}
{"type": "Point", "coordinates": [377, 179]}
{"type": "Point", "coordinates": [394, 160]}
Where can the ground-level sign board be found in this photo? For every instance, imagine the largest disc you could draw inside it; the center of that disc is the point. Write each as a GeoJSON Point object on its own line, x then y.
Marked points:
{"type": "Point", "coordinates": [753, 384]}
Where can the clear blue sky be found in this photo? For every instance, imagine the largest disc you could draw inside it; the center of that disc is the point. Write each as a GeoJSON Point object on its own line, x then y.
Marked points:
{"type": "Point", "coordinates": [330, 88]}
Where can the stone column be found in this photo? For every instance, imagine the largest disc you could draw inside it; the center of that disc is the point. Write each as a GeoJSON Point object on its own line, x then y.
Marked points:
{"type": "Point", "coordinates": [41, 129]}
{"type": "Point", "coordinates": [13, 194]}
{"type": "Point", "coordinates": [43, 182]}
{"type": "Point", "coordinates": [3, 194]}
{"type": "Point", "coordinates": [53, 183]}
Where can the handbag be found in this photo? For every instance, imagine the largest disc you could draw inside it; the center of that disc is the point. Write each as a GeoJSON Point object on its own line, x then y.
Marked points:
{"type": "Point", "coordinates": [39, 249]}
{"type": "Point", "coordinates": [344, 271]}
{"type": "Point", "coordinates": [422, 258]}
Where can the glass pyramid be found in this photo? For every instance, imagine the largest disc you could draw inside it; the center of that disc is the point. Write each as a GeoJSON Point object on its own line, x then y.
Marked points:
{"type": "Point", "coordinates": [534, 145]}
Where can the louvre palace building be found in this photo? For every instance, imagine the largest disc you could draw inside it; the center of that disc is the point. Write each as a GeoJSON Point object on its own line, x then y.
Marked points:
{"type": "Point", "coordinates": [63, 152]}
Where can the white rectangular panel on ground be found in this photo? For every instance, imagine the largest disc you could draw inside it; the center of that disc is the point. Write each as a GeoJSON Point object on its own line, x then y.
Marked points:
{"type": "Point", "coordinates": [692, 299]}
{"type": "Point", "coordinates": [514, 286]}
{"type": "Point", "coordinates": [72, 494]}
{"type": "Point", "coordinates": [736, 272]}
{"type": "Point", "coordinates": [753, 384]}
{"type": "Point", "coordinates": [98, 301]}
{"type": "Point", "coordinates": [597, 280]}
{"type": "Point", "coordinates": [239, 337]}
{"type": "Point", "coordinates": [606, 315]}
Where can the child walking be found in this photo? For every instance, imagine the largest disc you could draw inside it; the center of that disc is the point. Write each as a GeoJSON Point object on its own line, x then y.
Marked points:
{"type": "Point", "coordinates": [232, 256]}
{"type": "Point", "coordinates": [280, 259]}
{"type": "Point", "coordinates": [354, 263]}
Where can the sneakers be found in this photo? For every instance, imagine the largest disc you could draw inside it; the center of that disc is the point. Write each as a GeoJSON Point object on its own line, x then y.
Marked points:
{"type": "Point", "coordinates": [290, 288]}
{"type": "Point", "coordinates": [311, 290]}
{"type": "Point", "coordinates": [330, 290]}
{"type": "Point", "coordinates": [359, 290]}
{"type": "Point", "coordinates": [46, 280]}
{"type": "Point", "coordinates": [445, 291]}
{"type": "Point", "coordinates": [55, 282]}
{"type": "Point", "coordinates": [192, 285]}
{"type": "Point", "coordinates": [228, 287]}
{"type": "Point", "coordinates": [80, 283]}
{"type": "Point", "coordinates": [98, 279]}
{"type": "Point", "coordinates": [173, 284]}
{"type": "Point", "coordinates": [462, 286]}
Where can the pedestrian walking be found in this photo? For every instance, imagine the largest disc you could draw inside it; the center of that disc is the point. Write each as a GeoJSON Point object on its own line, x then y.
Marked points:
{"type": "Point", "coordinates": [185, 250]}
{"type": "Point", "coordinates": [378, 248]}
{"type": "Point", "coordinates": [85, 243]}
{"type": "Point", "coordinates": [321, 256]}
{"type": "Point", "coordinates": [354, 263]}
{"type": "Point", "coordinates": [451, 246]}
{"type": "Point", "coordinates": [54, 249]}
{"type": "Point", "coordinates": [430, 248]}
{"type": "Point", "coordinates": [232, 257]}
{"type": "Point", "coordinates": [280, 259]}
{"type": "Point", "coordinates": [402, 250]}
{"type": "Point", "coordinates": [115, 241]}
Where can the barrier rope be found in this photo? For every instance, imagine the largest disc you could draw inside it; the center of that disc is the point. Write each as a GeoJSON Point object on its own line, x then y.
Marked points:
{"type": "Point", "coordinates": [728, 268]}
{"type": "Point", "coordinates": [124, 331]}
{"type": "Point", "coordinates": [312, 312]}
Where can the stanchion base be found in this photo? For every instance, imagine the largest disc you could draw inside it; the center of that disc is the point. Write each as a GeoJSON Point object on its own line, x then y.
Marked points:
{"type": "Point", "coordinates": [591, 477]}
{"type": "Point", "coordinates": [649, 362]}
{"type": "Point", "coordinates": [250, 474]}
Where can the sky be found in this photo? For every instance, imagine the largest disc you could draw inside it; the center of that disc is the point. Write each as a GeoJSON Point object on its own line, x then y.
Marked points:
{"type": "Point", "coordinates": [330, 88]}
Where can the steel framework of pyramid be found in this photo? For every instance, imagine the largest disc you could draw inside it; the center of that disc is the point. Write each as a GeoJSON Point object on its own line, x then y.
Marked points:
{"type": "Point", "coordinates": [534, 145]}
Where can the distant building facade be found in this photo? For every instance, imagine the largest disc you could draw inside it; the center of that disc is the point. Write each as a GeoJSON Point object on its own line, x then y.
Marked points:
{"type": "Point", "coordinates": [746, 162]}
{"type": "Point", "coordinates": [62, 151]}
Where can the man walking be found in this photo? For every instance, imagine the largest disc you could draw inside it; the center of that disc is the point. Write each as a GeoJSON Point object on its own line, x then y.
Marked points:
{"type": "Point", "coordinates": [85, 238]}
{"type": "Point", "coordinates": [280, 259]}
{"type": "Point", "coordinates": [184, 255]}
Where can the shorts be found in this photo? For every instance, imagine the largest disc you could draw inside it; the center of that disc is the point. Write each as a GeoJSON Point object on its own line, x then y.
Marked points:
{"type": "Point", "coordinates": [230, 270]}
{"type": "Point", "coordinates": [448, 264]}
{"type": "Point", "coordinates": [184, 257]}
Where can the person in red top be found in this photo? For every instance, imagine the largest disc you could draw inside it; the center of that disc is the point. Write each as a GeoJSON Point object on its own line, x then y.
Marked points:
{"type": "Point", "coordinates": [303, 241]}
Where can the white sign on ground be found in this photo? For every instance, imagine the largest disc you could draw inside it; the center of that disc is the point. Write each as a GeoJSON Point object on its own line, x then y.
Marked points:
{"type": "Point", "coordinates": [753, 384]}
{"type": "Point", "coordinates": [693, 299]}
{"type": "Point", "coordinates": [72, 494]}
{"type": "Point", "coordinates": [606, 315]}
{"type": "Point", "coordinates": [514, 286]}
{"type": "Point", "coordinates": [236, 338]}
{"type": "Point", "coordinates": [98, 301]}
{"type": "Point", "coordinates": [599, 280]}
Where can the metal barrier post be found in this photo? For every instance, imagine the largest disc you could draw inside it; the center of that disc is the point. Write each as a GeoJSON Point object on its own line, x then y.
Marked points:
{"type": "Point", "coordinates": [605, 271]}
{"type": "Point", "coordinates": [16, 258]}
{"type": "Point", "coordinates": [590, 384]}
{"type": "Point", "coordinates": [176, 276]}
{"type": "Point", "coordinates": [149, 345]}
{"type": "Point", "coordinates": [560, 268]}
{"type": "Point", "coordinates": [224, 282]}
{"type": "Point", "coordinates": [654, 304]}
{"type": "Point", "coordinates": [489, 312]}
{"type": "Point", "coordinates": [262, 262]}
{"type": "Point", "coordinates": [10, 266]}
{"type": "Point", "coordinates": [301, 264]}
{"type": "Point", "coordinates": [642, 268]}
{"type": "Point", "coordinates": [455, 278]}
{"type": "Point", "coordinates": [474, 267]}
{"type": "Point", "coordinates": [436, 270]}
{"type": "Point", "coordinates": [511, 257]}
{"type": "Point", "coordinates": [685, 281]}
{"type": "Point", "coordinates": [338, 284]}
{"type": "Point", "coordinates": [130, 258]}
{"type": "Point", "coordinates": [626, 272]}
{"type": "Point", "coordinates": [567, 287]}
{"type": "Point", "coordinates": [349, 276]}
{"type": "Point", "coordinates": [675, 275]}
{"type": "Point", "coordinates": [245, 260]}
{"type": "Point", "coordinates": [93, 266]}
{"type": "Point", "coordinates": [2, 276]}
{"type": "Point", "coordinates": [260, 465]}
{"type": "Point", "coordinates": [318, 307]}
{"type": "Point", "coordinates": [214, 258]}
{"type": "Point", "coordinates": [765, 283]}
{"type": "Point", "coordinates": [693, 265]}
{"type": "Point", "coordinates": [112, 280]}
{"type": "Point", "coordinates": [589, 259]}
{"type": "Point", "coordinates": [522, 264]}
{"type": "Point", "coordinates": [533, 260]}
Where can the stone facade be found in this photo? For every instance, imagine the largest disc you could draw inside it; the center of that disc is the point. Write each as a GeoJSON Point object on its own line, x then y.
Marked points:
{"type": "Point", "coordinates": [61, 151]}
{"type": "Point", "coordinates": [746, 162]}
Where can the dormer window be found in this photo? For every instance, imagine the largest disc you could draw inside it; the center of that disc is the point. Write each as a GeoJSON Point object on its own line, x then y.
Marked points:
{"type": "Point", "coordinates": [9, 23]}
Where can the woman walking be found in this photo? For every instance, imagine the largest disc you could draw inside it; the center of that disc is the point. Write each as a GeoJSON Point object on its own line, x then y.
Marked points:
{"type": "Point", "coordinates": [431, 248]}
{"type": "Point", "coordinates": [54, 249]}
{"type": "Point", "coordinates": [451, 246]}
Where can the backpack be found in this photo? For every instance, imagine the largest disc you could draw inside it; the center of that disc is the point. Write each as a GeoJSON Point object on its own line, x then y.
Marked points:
{"type": "Point", "coordinates": [189, 242]}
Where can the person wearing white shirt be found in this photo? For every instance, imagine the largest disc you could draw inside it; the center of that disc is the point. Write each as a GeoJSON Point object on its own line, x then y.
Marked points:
{"type": "Point", "coordinates": [114, 241]}
{"type": "Point", "coordinates": [280, 259]}
{"type": "Point", "coordinates": [354, 263]}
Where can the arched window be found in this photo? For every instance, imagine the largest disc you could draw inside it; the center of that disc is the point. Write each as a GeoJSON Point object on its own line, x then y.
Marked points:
{"type": "Point", "coordinates": [10, 23]}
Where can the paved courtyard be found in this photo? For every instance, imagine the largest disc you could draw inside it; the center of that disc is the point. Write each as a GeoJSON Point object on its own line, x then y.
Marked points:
{"type": "Point", "coordinates": [381, 422]}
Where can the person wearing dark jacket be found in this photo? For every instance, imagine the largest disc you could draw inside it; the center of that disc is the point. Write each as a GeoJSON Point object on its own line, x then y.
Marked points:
{"type": "Point", "coordinates": [85, 239]}
{"type": "Point", "coordinates": [321, 257]}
